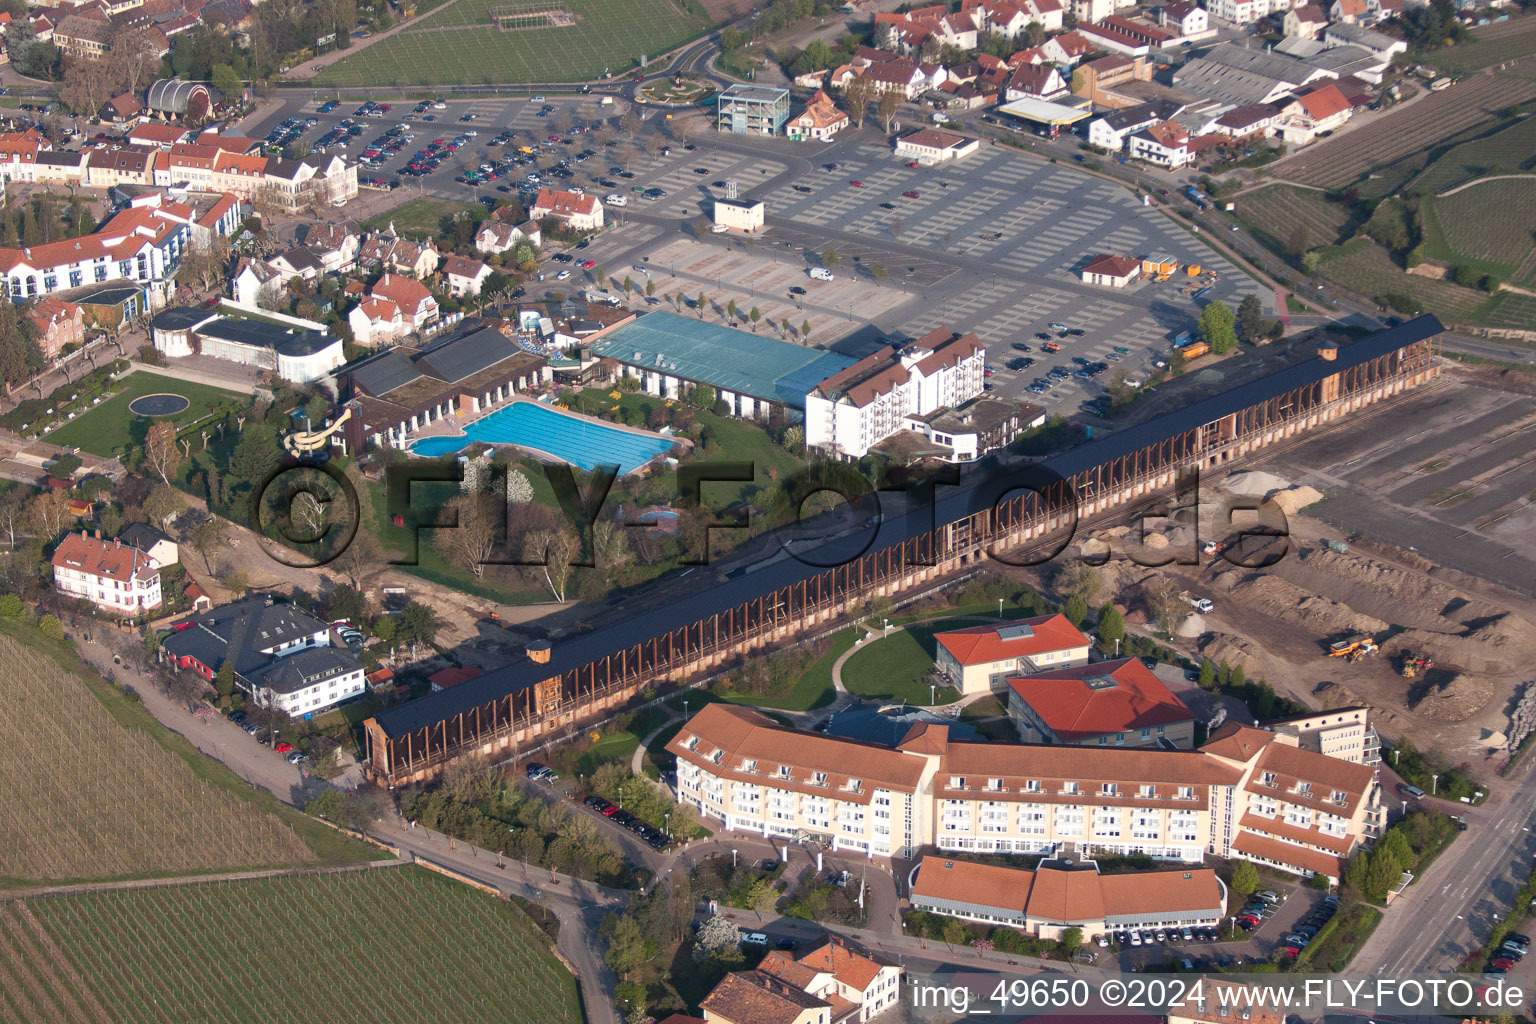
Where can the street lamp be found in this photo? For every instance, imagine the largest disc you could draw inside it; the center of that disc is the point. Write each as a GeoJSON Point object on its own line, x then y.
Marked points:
{"type": "Point", "coordinates": [933, 694]}
{"type": "Point", "coordinates": [733, 859]}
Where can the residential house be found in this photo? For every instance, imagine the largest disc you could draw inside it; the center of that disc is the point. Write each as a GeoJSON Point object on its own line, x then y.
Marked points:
{"type": "Point", "coordinates": [1117, 703]}
{"type": "Point", "coordinates": [109, 574]}
{"type": "Point", "coordinates": [1089, 11]}
{"type": "Point", "coordinates": [418, 308]}
{"type": "Point", "coordinates": [1348, 12]}
{"type": "Point", "coordinates": [59, 324]}
{"type": "Point", "coordinates": [1114, 271]}
{"type": "Point", "coordinates": [137, 244]}
{"type": "Point", "coordinates": [859, 987]}
{"type": "Point", "coordinates": [899, 75]}
{"type": "Point", "coordinates": [281, 656]}
{"type": "Point", "coordinates": [1247, 122]}
{"type": "Point", "coordinates": [756, 997]}
{"type": "Point", "coordinates": [1110, 131]}
{"type": "Point", "coordinates": [818, 122]}
{"type": "Point", "coordinates": [155, 135]}
{"type": "Point", "coordinates": [1035, 81]}
{"type": "Point", "coordinates": [154, 543]}
{"type": "Point", "coordinates": [1239, 12]}
{"type": "Point", "coordinates": [1306, 22]}
{"type": "Point", "coordinates": [317, 179]}
{"type": "Point", "coordinates": [256, 282]}
{"type": "Point", "coordinates": [336, 246]}
{"type": "Point", "coordinates": [1312, 113]}
{"type": "Point", "coordinates": [496, 236]}
{"type": "Point", "coordinates": [464, 276]}
{"type": "Point", "coordinates": [105, 168]}
{"type": "Point", "coordinates": [120, 108]}
{"type": "Point", "coordinates": [298, 262]}
{"type": "Point", "coordinates": [1165, 144]}
{"type": "Point", "coordinates": [981, 659]}
{"type": "Point", "coordinates": [82, 36]}
{"type": "Point", "coordinates": [1186, 20]}
{"type": "Point", "coordinates": [375, 321]}
{"type": "Point", "coordinates": [576, 212]}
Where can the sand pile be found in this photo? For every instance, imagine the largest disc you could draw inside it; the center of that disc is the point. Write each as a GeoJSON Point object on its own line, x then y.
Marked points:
{"type": "Point", "coordinates": [1287, 602]}
{"type": "Point", "coordinates": [1235, 651]}
{"type": "Point", "coordinates": [1480, 651]}
{"type": "Point", "coordinates": [1456, 699]}
{"type": "Point", "coordinates": [1255, 484]}
{"type": "Point", "coordinates": [1293, 499]}
{"type": "Point", "coordinates": [1334, 695]}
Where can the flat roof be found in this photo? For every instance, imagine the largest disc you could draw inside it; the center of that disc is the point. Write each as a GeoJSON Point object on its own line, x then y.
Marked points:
{"type": "Point", "coordinates": [761, 93]}
{"type": "Point", "coordinates": [980, 490]}
{"type": "Point", "coordinates": [739, 361]}
{"type": "Point", "coordinates": [290, 341]}
{"type": "Point", "coordinates": [1044, 112]}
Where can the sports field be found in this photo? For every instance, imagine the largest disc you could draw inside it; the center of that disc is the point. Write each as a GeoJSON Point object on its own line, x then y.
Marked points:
{"type": "Point", "coordinates": [1489, 226]}
{"type": "Point", "coordinates": [110, 427]}
{"type": "Point", "coordinates": [386, 945]}
{"type": "Point", "coordinates": [461, 44]}
{"type": "Point", "coordinates": [89, 790]}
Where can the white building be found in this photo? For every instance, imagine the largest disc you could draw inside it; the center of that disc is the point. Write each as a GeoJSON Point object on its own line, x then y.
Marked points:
{"type": "Point", "coordinates": [138, 245]}
{"type": "Point", "coordinates": [979, 659]}
{"type": "Point", "coordinates": [296, 350]}
{"type": "Point", "coordinates": [111, 575]}
{"type": "Point", "coordinates": [860, 406]}
{"type": "Point", "coordinates": [579, 213]}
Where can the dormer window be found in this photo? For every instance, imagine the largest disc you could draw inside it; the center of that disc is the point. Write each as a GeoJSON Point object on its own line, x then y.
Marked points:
{"type": "Point", "coordinates": [1268, 779]}
{"type": "Point", "coordinates": [749, 765]}
{"type": "Point", "coordinates": [783, 771]}
{"type": "Point", "coordinates": [818, 778]}
{"type": "Point", "coordinates": [1108, 789]}
{"type": "Point", "coordinates": [995, 785]}
{"type": "Point", "coordinates": [957, 782]}
{"type": "Point", "coordinates": [1303, 789]}
{"type": "Point", "coordinates": [1032, 786]}
{"type": "Point", "coordinates": [691, 743]}
{"type": "Point", "coordinates": [1147, 792]}
{"type": "Point", "coordinates": [1338, 796]}
{"type": "Point", "coordinates": [1069, 788]}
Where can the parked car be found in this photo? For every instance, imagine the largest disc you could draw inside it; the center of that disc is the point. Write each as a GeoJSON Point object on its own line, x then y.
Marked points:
{"type": "Point", "coordinates": [283, 747]}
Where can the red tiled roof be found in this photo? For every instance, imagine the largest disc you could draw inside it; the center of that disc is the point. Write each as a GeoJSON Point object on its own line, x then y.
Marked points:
{"type": "Point", "coordinates": [1237, 742]}
{"type": "Point", "coordinates": [1105, 697]}
{"type": "Point", "coordinates": [106, 558]}
{"type": "Point", "coordinates": [562, 203]}
{"type": "Point", "coordinates": [980, 645]}
{"type": "Point", "coordinates": [1113, 266]}
{"type": "Point", "coordinates": [1323, 102]}
{"type": "Point", "coordinates": [409, 295]}
{"type": "Point", "coordinates": [1287, 853]}
{"type": "Point", "coordinates": [448, 677]}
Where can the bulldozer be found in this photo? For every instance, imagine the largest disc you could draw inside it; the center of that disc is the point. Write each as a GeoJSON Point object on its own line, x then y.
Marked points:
{"type": "Point", "coordinates": [1414, 663]}
{"type": "Point", "coordinates": [1354, 648]}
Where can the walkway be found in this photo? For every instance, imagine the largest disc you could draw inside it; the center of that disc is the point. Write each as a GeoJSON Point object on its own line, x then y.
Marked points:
{"type": "Point", "coordinates": [174, 880]}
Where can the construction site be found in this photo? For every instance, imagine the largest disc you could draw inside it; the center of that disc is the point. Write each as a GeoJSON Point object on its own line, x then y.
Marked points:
{"type": "Point", "coordinates": [1404, 578]}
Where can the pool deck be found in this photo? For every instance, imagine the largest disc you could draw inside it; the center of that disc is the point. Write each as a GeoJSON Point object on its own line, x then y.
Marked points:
{"type": "Point", "coordinates": [441, 429]}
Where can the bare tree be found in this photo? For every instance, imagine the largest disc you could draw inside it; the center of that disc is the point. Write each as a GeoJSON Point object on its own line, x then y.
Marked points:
{"type": "Point", "coordinates": [205, 538]}
{"type": "Point", "coordinates": [1166, 603]}
{"type": "Point", "coordinates": [610, 547]}
{"type": "Point", "coordinates": [471, 541]}
{"type": "Point", "coordinates": [13, 515]}
{"type": "Point", "coordinates": [548, 553]}
{"type": "Point", "coordinates": [857, 98]}
{"type": "Point", "coordinates": [161, 452]}
{"type": "Point", "coordinates": [360, 559]}
{"type": "Point", "coordinates": [49, 514]}
{"type": "Point", "coordinates": [890, 106]}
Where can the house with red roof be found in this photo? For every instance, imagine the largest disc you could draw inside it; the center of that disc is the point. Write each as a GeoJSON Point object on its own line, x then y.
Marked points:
{"type": "Point", "coordinates": [1165, 144]}
{"type": "Point", "coordinates": [980, 659]}
{"type": "Point", "coordinates": [464, 276]}
{"type": "Point", "coordinates": [417, 306]}
{"type": "Point", "coordinates": [58, 324]}
{"type": "Point", "coordinates": [1035, 81]}
{"type": "Point", "coordinates": [1314, 113]}
{"type": "Point", "coordinates": [1114, 271]}
{"type": "Point", "coordinates": [108, 573]}
{"type": "Point", "coordinates": [1116, 703]}
{"type": "Point", "coordinates": [577, 212]}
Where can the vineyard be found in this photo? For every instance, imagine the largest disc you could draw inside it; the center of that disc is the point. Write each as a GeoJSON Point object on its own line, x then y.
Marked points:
{"type": "Point", "coordinates": [1399, 145]}
{"type": "Point", "coordinates": [392, 944]}
{"type": "Point", "coordinates": [1490, 226]}
{"type": "Point", "coordinates": [1273, 214]}
{"type": "Point", "coordinates": [1508, 151]}
{"type": "Point", "coordinates": [82, 797]}
{"type": "Point", "coordinates": [457, 45]}
{"type": "Point", "coordinates": [1364, 267]}
{"type": "Point", "coordinates": [1492, 44]}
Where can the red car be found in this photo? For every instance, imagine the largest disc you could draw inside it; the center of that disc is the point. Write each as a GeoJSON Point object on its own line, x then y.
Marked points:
{"type": "Point", "coordinates": [283, 748]}
{"type": "Point", "coordinates": [1287, 951]}
{"type": "Point", "coordinates": [910, 195]}
{"type": "Point", "coordinates": [610, 811]}
{"type": "Point", "coordinates": [856, 183]}
{"type": "Point", "coordinates": [911, 163]}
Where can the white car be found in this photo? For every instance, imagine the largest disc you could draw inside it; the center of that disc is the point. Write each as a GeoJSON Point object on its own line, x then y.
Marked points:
{"type": "Point", "coordinates": [577, 190]}
{"type": "Point", "coordinates": [718, 229]}
{"type": "Point", "coordinates": [617, 200]}
{"type": "Point", "coordinates": [562, 275]}
{"type": "Point", "coordinates": [471, 133]}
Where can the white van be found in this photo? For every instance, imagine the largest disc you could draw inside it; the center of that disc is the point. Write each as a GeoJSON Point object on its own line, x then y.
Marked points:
{"type": "Point", "coordinates": [820, 273]}
{"type": "Point", "coordinates": [754, 939]}
{"type": "Point", "coordinates": [941, 119]}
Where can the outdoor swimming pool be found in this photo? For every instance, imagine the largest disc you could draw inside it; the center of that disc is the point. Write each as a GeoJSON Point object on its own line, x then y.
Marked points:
{"type": "Point", "coordinates": [578, 441]}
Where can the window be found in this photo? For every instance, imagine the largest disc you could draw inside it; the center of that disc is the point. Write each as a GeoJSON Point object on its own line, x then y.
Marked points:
{"type": "Point", "coordinates": [1032, 786]}
{"type": "Point", "coordinates": [995, 785]}
{"type": "Point", "coordinates": [1146, 792]}
{"type": "Point", "coordinates": [1186, 793]}
{"type": "Point", "coordinates": [1069, 788]}
{"type": "Point", "coordinates": [957, 782]}
{"type": "Point", "coordinates": [749, 765]}
{"type": "Point", "coordinates": [818, 778]}
{"type": "Point", "coordinates": [1268, 779]}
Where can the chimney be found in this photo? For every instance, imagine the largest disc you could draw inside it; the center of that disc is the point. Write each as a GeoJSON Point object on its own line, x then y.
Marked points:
{"type": "Point", "coordinates": [1327, 351]}
{"type": "Point", "coordinates": [98, 534]}
{"type": "Point", "coordinates": [538, 652]}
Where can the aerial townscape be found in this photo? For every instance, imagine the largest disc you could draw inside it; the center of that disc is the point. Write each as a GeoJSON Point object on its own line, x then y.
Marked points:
{"type": "Point", "coordinates": [793, 512]}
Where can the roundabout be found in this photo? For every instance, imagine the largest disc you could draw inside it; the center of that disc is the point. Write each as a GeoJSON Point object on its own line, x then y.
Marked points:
{"type": "Point", "coordinates": [159, 405]}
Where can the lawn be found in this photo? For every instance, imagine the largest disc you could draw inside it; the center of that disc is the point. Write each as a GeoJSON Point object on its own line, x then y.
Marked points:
{"type": "Point", "coordinates": [812, 690]}
{"type": "Point", "coordinates": [110, 427]}
{"type": "Point", "coordinates": [422, 217]}
{"type": "Point", "coordinates": [460, 45]}
{"type": "Point", "coordinates": [97, 789]}
{"type": "Point", "coordinates": [310, 947]}
{"type": "Point", "coordinates": [1346, 934]}
{"type": "Point", "coordinates": [1488, 226]}
{"type": "Point", "coordinates": [1272, 214]}
{"type": "Point", "coordinates": [896, 667]}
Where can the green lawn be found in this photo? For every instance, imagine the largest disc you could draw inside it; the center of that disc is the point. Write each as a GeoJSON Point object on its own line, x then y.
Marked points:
{"type": "Point", "coordinates": [303, 948]}
{"type": "Point", "coordinates": [812, 690]}
{"type": "Point", "coordinates": [422, 217]}
{"type": "Point", "coordinates": [110, 427]}
{"type": "Point", "coordinates": [896, 667]}
{"type": "Point", "coordinates": [460, 44]}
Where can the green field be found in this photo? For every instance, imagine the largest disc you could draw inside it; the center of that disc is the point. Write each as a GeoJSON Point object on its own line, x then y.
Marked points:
{"type": "Point", "coordinates": [812, 690]}
{"type": "Point", "coordinates": [1272, 214]}
{"type": "Point", "coordinates": [460, 45]}
{"type": "Point", "coordinates": [422, 218]}
{"type": "Point", "coordinates": [393, 944]}
{"type": "Point", "coordinates": [110, 427]}
{"type": "Point", "coordinates": [896, 667]}
{"type": "Point", "coordinates": [1489, 226]}
{"type": "Point", "coordinates": [1510, 150]}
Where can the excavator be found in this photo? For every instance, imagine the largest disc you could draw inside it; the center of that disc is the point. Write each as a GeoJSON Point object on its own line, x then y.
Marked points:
{"type": "Point", "coordinates": [1414, 663]}
{"type": "Point", "coordinates": [1354, 648]}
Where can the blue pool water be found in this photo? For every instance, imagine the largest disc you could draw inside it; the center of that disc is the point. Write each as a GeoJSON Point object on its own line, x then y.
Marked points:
{"type": "Point", "coordinates": [577, 441]}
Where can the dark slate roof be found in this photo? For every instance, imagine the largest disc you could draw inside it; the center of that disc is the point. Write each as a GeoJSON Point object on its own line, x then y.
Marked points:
{"type": "Point", "coordinates": [380, 376]}
{"type": "Point", "coordinates": [304, 669]}
{"type": "Point", "coordinates": [180, 318]}
{"type": "Point", "coordinates": [142, 536]}
{"type": "Point", "coordinates": [245, 628]}
{"type": "Point", "coordinates": [465, 356]}
{"type": "Point", "coordinates": [868, 722]}
{"type": "Point", "coordinates": [290, 341]}
{"type": "Point", "coordinates": [984, 489]}
{"type": "Point", "coordinates": [111, 295]}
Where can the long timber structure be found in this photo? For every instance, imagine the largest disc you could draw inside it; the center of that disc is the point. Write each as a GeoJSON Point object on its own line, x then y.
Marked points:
{"type": "Point", "coordinates": [997, 516]}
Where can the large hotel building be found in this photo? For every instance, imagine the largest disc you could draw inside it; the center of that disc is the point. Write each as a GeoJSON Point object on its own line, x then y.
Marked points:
{"type": "Point", "coordinates": [1247, 792]}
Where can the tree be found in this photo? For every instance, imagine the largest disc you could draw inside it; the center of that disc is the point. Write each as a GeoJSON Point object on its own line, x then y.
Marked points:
{"type": "Point", "coordinates": [1207, 674]}
{"type": "Point", "coordinates": [879, 271]}
{"type": "Point", "coordinates": [888, 108]}
{"type": "Point", "coordinates": [650, 288]}
{"type": "Point", "coordinates": [627, 947]}
{"type": "Point", "coordinates": [48, 514]}
{"type": "Point", "coordinates": [205, 537]}
{"type": "Point", "coordinates": [610, 547]}
{"type": "Point", "coordinates": [715, 935]}
{"type": "Point", "coordinates": [225, 80]}
{"type": "Point", "coordinates": [548, 552]}
{"type": "Point", "coordinates": [699, 304]}
{"type": "Point", "coordinates": [479, 517]}
{"type": "Point", "coordinates": [857, 97]}
{"type": "Point", "coordinates": [418, 624]}
{"type": "Point", "coordinates": [1300, 241]}
{"type": "Point", "coordinates": [519, 488]}
{"type": "Point", "coordinates": [161, 452]}
{"type": "Point", "coordinates": [224, 682]}
{"type": "Point", "coordinates": [50, 627]}
{"type": "Point", "coordinates": [805, 329]}
{"type": "Point", "coordinates": [730, 309]}
{"type": "Point", "coordinates": [1079, 579]}
{"type": "Point", "coordinates": [1071, 939]}
{"type": "Point", "coordinates": [1245, 878]}
{"type": "Point", "coordinates": [236, 581]}
{"type": "Point", "coordinates": [831, 258]}
{"type": "Point", "coordinates": [754, 315]}
{"type": "Point", "coordinates": [1075, 609]}
{"type": "Point", "coordinates": [702, 397]}
{"type": "Point", "coordinates": [1217, 327]}
{"type": "Point", "coordinates": [1111, 626]}
{"type": "Point", "coordinates": [361, 558]}
{"type": "Point", "coordinates": [1250, 318]}
{"type": "Point", "coordinates": [1166, 602]}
